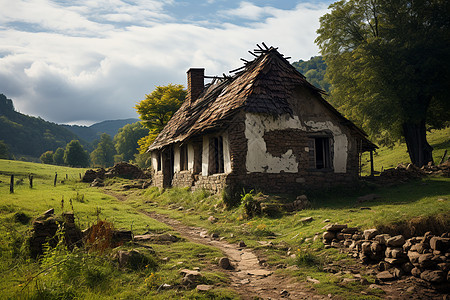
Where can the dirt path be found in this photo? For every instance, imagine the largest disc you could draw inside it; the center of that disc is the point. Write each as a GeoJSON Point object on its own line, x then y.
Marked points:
{"type": "Point", "coordinates": [248, 278]}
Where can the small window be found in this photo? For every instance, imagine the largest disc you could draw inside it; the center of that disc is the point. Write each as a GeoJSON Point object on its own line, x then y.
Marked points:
{"type": "Point", "coordinates": [320, 153]}
{"type": "Point", "coordinates": [158, 162]}
{"type": "Point", "coordinates": [183, 158]}
{"type": "Point", "coordinates": [216, 155]}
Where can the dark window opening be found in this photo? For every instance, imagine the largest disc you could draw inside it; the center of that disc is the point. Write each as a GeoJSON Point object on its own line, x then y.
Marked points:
{"type": "Point", "coordinates": [183, 158]}
{"type": "Point", "coordinates": [216, 155]}
{"type": "Point", "coordinates": [320, 153]}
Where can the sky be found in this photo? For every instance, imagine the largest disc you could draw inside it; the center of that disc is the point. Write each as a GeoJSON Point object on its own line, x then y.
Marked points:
{"type": "Point", "coordinates": [85, 61]}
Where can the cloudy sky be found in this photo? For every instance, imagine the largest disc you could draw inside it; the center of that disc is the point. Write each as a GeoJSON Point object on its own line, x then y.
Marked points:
{"type": "Point", "coordinates": [80, 62]}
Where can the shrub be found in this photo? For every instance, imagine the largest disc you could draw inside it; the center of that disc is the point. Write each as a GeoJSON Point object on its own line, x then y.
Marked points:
{"type": "Point", "coordinates": [252, 207]}
{"type": "Point", "coordinates": [231, 196]}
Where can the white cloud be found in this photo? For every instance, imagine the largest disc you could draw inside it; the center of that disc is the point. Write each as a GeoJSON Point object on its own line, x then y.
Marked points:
{"type": "Point", "coordinates": [84, 69]}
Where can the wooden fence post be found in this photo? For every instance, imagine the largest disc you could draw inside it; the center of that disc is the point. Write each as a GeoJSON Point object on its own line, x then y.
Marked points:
{"type": "Point", "coordinates": [56, 177]}
{"type": "Point", "coordinates": [11, 185]}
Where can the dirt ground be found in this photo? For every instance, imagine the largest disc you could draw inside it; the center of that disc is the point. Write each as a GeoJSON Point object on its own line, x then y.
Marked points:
{"type": "Point", "coordinates": [251, 280]}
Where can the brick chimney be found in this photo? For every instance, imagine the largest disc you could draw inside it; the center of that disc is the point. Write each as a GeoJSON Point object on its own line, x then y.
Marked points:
{"type": "Point", "coordinates": [195, 83]}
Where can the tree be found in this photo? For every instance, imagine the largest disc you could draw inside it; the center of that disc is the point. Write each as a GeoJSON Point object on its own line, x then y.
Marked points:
{"type": "Point", "coordinates": [4, 151]}
{"type": "Point", "coordinates": [157, 109]}
{"type": "Point", "coordinates": [75, 155]}
{"type": "Point", "coordinates": [126, 140]}
{"type": "Point", "coordinates": [103, 155]}
{"type": "Point", "coordinates": [47, 157]}
{"type": "Point", "coordinates": [388, 62]}
{"type": "Point", "coordinates": [58, 156]}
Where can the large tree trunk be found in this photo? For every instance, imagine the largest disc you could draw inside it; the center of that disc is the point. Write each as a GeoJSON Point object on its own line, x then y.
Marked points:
{"type": "Point", "coordinates": [419, 150]}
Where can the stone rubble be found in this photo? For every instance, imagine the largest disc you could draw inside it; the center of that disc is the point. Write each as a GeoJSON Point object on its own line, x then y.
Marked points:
{"type": "Point", "coordinates": [426, 257]}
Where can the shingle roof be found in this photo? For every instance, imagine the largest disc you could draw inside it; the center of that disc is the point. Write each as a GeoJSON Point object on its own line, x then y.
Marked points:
{"type": "Point", "coordinates": [263, 86]}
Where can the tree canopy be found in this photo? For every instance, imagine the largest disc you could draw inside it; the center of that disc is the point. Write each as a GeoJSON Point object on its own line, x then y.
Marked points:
{"type": "Point", "coordinates": [4, 152]}
{"type": "Point", "coordinates": [156, 110]}
{"type": "Point", "coordinates": [388, 62]}
{"type": "Point", "coordinates": [58, 156]}
{"type": "Point", "coordinates": [103, 155]}
{"type": "Point", "coordinates": [126, 140]}
{"type": "Point", "coordinates": [75, 155]}
{"type": "Point", "coordinates": [314, 70]}
{"type": "Point", "coordinates": [47, 157]}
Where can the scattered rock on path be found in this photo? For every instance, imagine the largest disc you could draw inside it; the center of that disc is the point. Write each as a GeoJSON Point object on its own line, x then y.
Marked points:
{"type": "Point", "coordinates": [224, 263]}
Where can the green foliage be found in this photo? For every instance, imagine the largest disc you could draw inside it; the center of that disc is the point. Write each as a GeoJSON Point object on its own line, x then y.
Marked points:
{"type": "Point", "coordinates": [389, 66]}
{"type": "Point", "coordinates": [47, 157]}
{"type": "Point", "coordinates": [231, 196]}
{"type": "Point", "coordinates": [314, 71]}
{"type": "Point", "coordinates": [126, 140]}
{"type": "Point", "coordinates": [252, 207]}
{"type": "Point", "coordinates": [143, 160]}
{"type": "Point", "coordinates": [75, 156]}
{"type": "Point", "coordinates": [305, 257]}
{"type": "Point", "coordinates": [157, 109]}
{"type": "Point", "coordinates": [103, 155]}
{"type": "Point", "coordinates": [30, 136]}
{"type": "Point", "coordinates": [4, 152]}
{"type": "Point", "coordinates": [58, 157]}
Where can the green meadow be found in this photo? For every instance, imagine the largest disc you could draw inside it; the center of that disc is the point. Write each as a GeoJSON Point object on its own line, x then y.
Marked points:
{"type": "Point", "coordinates": [422, 204]}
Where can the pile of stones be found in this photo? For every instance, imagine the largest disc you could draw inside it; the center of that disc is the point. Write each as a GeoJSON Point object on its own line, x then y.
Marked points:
{"type": "Point", "coordinates": [122, 169]}
{"type": "Point", "coordinates": [45, 228]}
{"type": "Point", "coordinates": [409, 171]}
{"type": "Point", "coordinates": [300, 203]}
{"type": "Point", "coordinates": [426, 257]}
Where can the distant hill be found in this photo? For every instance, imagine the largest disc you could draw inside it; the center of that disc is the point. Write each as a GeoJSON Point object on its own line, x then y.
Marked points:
{"type": "Point", "coordinates": [93, 132]}
{"type": "Point", "coordinates": [314, 71]}
{"type": "Point", "coordinates": [30, 136]}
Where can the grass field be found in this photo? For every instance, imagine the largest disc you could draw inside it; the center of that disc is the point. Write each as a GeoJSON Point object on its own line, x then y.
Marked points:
{"type": "Point", "coordinates": [425, 203]}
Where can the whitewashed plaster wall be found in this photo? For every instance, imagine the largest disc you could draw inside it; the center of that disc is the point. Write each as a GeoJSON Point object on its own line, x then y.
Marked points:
{"type": "Point", "coordinates": [190, 149]}
{"type": "Point", "coordinates": [155, 161]}
{"type": "Point", "coordinates": [259, 160]}
{"type": "Point", "coordinates": [176, 159]}
{"type": "Point", "coordinates": [205, 155]}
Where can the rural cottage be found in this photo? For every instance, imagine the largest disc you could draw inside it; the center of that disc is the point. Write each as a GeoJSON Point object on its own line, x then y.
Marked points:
{"type": "Point", "coordinates": [265, 127]}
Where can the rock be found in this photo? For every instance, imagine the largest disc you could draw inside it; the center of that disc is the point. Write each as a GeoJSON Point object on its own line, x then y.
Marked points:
{"type": "Point", "coordinates": [214, 235]}
{"type": "Point", "coordinates": [284, 293]}
{"type": "Point", "coordinates": [376, 247]}
{"type": "Point", "coordinates": [350, 230]}
{"type": "Point", "coordinates": [365, 247]}
{"type": "Point", "coordinates": [396, 261]}
{"type": "Point", "coordinates": [212, 219]}
{"type": "Point", "coordinates": [312, 280]}
{"type": "Point", "coordinates": [357, 237]}
{"type": "Point", "coordinates": [203, 287]}
{"type": "Point", "coordinates": [436, 276]}
{"type": "Point", "coordinates": [413, 256]}
{"type": "Point", "coordinates": [191, 277]}
{"type": "Point", "coordinates": [307, 220]}
{"type": "Point", "coordinates": [224, 263]}
{"type": "Point", "coordinates": [374, 287]}
{"type": "Point", "coordinates": [326, 220]}
{"type": "Point", "coordinates": [131, 259]}
{"type": "Point", "coordinates": [419, 247]}
{"type": "Point", "coordinates": [242, 244]}
{"type": "Point", "coordinates": [386, 276]}
{"type": "Point", "coordinates": [369, 197]}
{"type": "Point", "coordinates": [398, 253]}
{"type": "Point", "coordinates": [407, 267]}
{"type": "Point", "coordinates": [445, 267]}
{"type": "Point", "coordinates": [335, 227]}
{"type": "Point", "coordinates": [398, 272]}
{"type": "Point", "coordinates": [382, 266]}
{"type": "Point", "coordinates": [439, 243]}
{"type": "Point", "coordinates": [396, 241]}
{"type": "Point", "coordinates": [340, 236]}
{"type": "Point", "coordinates": [426, 261]}
{"type": "Point", "coordinates": [381, 238]}
{"type": "Point", "coordinates": [416, 272]}
{"type": "Point", "coordinates": [370, 233]}
{"type": "Point", "coordinates": [328, 235]}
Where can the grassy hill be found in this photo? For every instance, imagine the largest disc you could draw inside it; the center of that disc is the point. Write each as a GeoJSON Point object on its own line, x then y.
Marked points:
{"type": "Point", "coordinates": [30, 136]}
{"type": "Point", "coordinates": [93, 132]}
{"type": "Point", "coordinates": [424, 203]}
{"type": "Point", "coordinates": [385, 158]}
